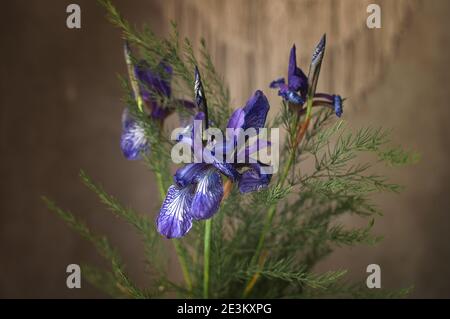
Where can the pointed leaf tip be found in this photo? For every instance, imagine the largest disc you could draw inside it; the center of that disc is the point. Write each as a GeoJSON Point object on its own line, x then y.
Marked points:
{"type": "Point", "coordinates": [319, 51]}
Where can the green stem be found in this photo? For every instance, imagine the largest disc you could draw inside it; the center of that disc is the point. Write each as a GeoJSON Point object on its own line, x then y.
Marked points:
{"type": "Point", "coordinates": [271, 212]}
{"type": "Point", "coordinates": [272, 209]}
{"type": "Point", "coordinates": [178, 249]}
{"type": "Point", "coordinates": [206, 256]}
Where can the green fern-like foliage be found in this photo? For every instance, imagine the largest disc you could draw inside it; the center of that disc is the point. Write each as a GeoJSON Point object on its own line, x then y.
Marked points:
{"type": "Point", "coordinates": [326, 181]}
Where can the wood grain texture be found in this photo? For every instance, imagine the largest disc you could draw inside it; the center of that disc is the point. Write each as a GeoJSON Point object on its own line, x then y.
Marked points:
{"type": "Point", "coordinates": [250, 40]}
{"type": "Point", "coordinates": [60, 111]}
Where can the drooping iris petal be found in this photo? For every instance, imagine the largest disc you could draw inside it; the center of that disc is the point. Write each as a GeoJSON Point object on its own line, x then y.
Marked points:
{"type": "Point", "coordinates": [329, 100]}
{"type": "Point", "coordinates": [174, 219]}
{"type": "Point", "coordinates": [208, 195]}
{"type": "Point", "coordinates": [227, 169]}
{"type": "Point", "coordinates": [154, 81]}
{"type": "Point", "coordinates": [158, 112]}
{"type": "Point", "coordinates": [153, 84]}
{"type": "Point", "coordinates": [291, 96]}
{"type": "Point", "coordinates": [235, 123]}
{"type": "Point", "coordinates": [277, 83]}
{"type": "Point", "coordinates": [297, 80]}
{"type": "Point", "coordinates": [187, 174]}
{"type": "Point", "coordinates": [337, 103]}
{"type": "Point", "coordinates": [256, 111]}
{"type": "Point", "coordinates": [253, 179]}
{"type": "Point", "coordinates": [133, 141]}
{"type": "Point", "coordinates": [237, 119]}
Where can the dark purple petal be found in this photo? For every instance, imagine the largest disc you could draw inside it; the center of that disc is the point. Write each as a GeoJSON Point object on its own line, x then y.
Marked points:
{"type": "Point", "coordinates": [133, 141]}
{"type": "Point", "coordinates": [200, 116]}
{"type": "Point", "coordinates": [154, 82]}
{"type": "Point", "coordinates": [237, 119]}
{"type": "Point", "coordinates": [253, 179]}
{"type": "Point", "coordinates": [159, 113]}
{"type": "Point", "coordinates": [297, 80]}
{"type": "Point", "coordinates": [174, 219]}
{"type": "Point", "coordinates": [291, 96]}
{"type": "Point", "coordinates": [330, 100]}
{"type": "Point", "coordinates": [235, 122]}
{"type": "Point", "coordinates": [292, 61]}
{"type": "Point", "coordinates": [256, 111]}
{"type": "Point", "coordinates": [208, 195]}
{"type": "Point", "coordinates": [186, 104]}
{"type": "Point", "coordinates": [225, 168]}
{"type": "Point", "coordinates": [277, 83]}
{"type": "Point", "coordinates": [187, 174]}
{"type": "Point", "coordinates": [337, 103]}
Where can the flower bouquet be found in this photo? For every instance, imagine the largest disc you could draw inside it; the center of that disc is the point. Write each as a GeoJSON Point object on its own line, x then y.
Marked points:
{"type": "Point", "coordinates": [249, 204]}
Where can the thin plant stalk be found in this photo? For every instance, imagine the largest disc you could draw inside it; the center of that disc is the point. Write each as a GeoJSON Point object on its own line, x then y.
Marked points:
{"type": "Point", "coordinates": [272, 209]}
{"type": "Point", "coordinates": [206, 256]}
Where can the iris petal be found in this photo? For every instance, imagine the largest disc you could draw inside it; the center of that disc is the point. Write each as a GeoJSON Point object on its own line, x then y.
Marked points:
{"type": "Point", "coordinates": [277, 83]}
{"type": "Point", "coordinates": [291, 96]}
{"type": "Point", "coordinates": [187, 174]}
{"type": "Point", "coordinates": [236, 119]}
{"type": "Point", "coordinates": [133, 141]}
{"type": "Point", "coordinates": [154, 83]}
{"type": "Point", "coordinates": [297, 80]}
{"type": "Point", "coordinates": [228, 170]}
{"type": "Point", "coordinates": [256, 111]}
{"type": "Point", "coordinates": [225, 168]}
{"type": "Point", "coordinates": [174, 220]}
{"type": "Point", "coordinates": [253, 179]}
{"type": "Point", "coordinates": [337, 103]}
{"type": "Point", "coordinates": [208, 195]}
{"type": "Point", "coordinates": [157, 81]}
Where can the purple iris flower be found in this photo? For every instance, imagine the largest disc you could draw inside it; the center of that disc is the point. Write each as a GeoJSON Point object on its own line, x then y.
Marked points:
{"type": "Point", "coordinates": [198, 188]}
{"type": "Point", "coordinates": [296, 90]}
{"type": "Point", "coordinates": [153, 88]}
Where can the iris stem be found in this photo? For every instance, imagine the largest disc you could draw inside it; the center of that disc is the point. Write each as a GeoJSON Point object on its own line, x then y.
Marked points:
{"type": "Point", "coordinates": [207, 249]}
{"type": "Point", "coordinates": [272, 209]}
{"type": "Point", "coordinates": [178, 249]}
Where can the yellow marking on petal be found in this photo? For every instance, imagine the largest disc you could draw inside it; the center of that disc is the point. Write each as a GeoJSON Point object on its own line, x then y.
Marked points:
{"type": "Point", "coordinates": [133, 79]}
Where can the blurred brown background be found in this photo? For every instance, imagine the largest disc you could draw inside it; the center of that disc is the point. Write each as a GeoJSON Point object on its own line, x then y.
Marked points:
{"type": "Point", "coordinates": [61, 105]}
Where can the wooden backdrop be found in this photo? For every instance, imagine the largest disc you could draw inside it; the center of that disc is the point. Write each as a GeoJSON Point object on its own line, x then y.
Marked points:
{"type": "Point", "coordinates": [250, 40]}
{"type": "Point", "coordinates": [60, 111]}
